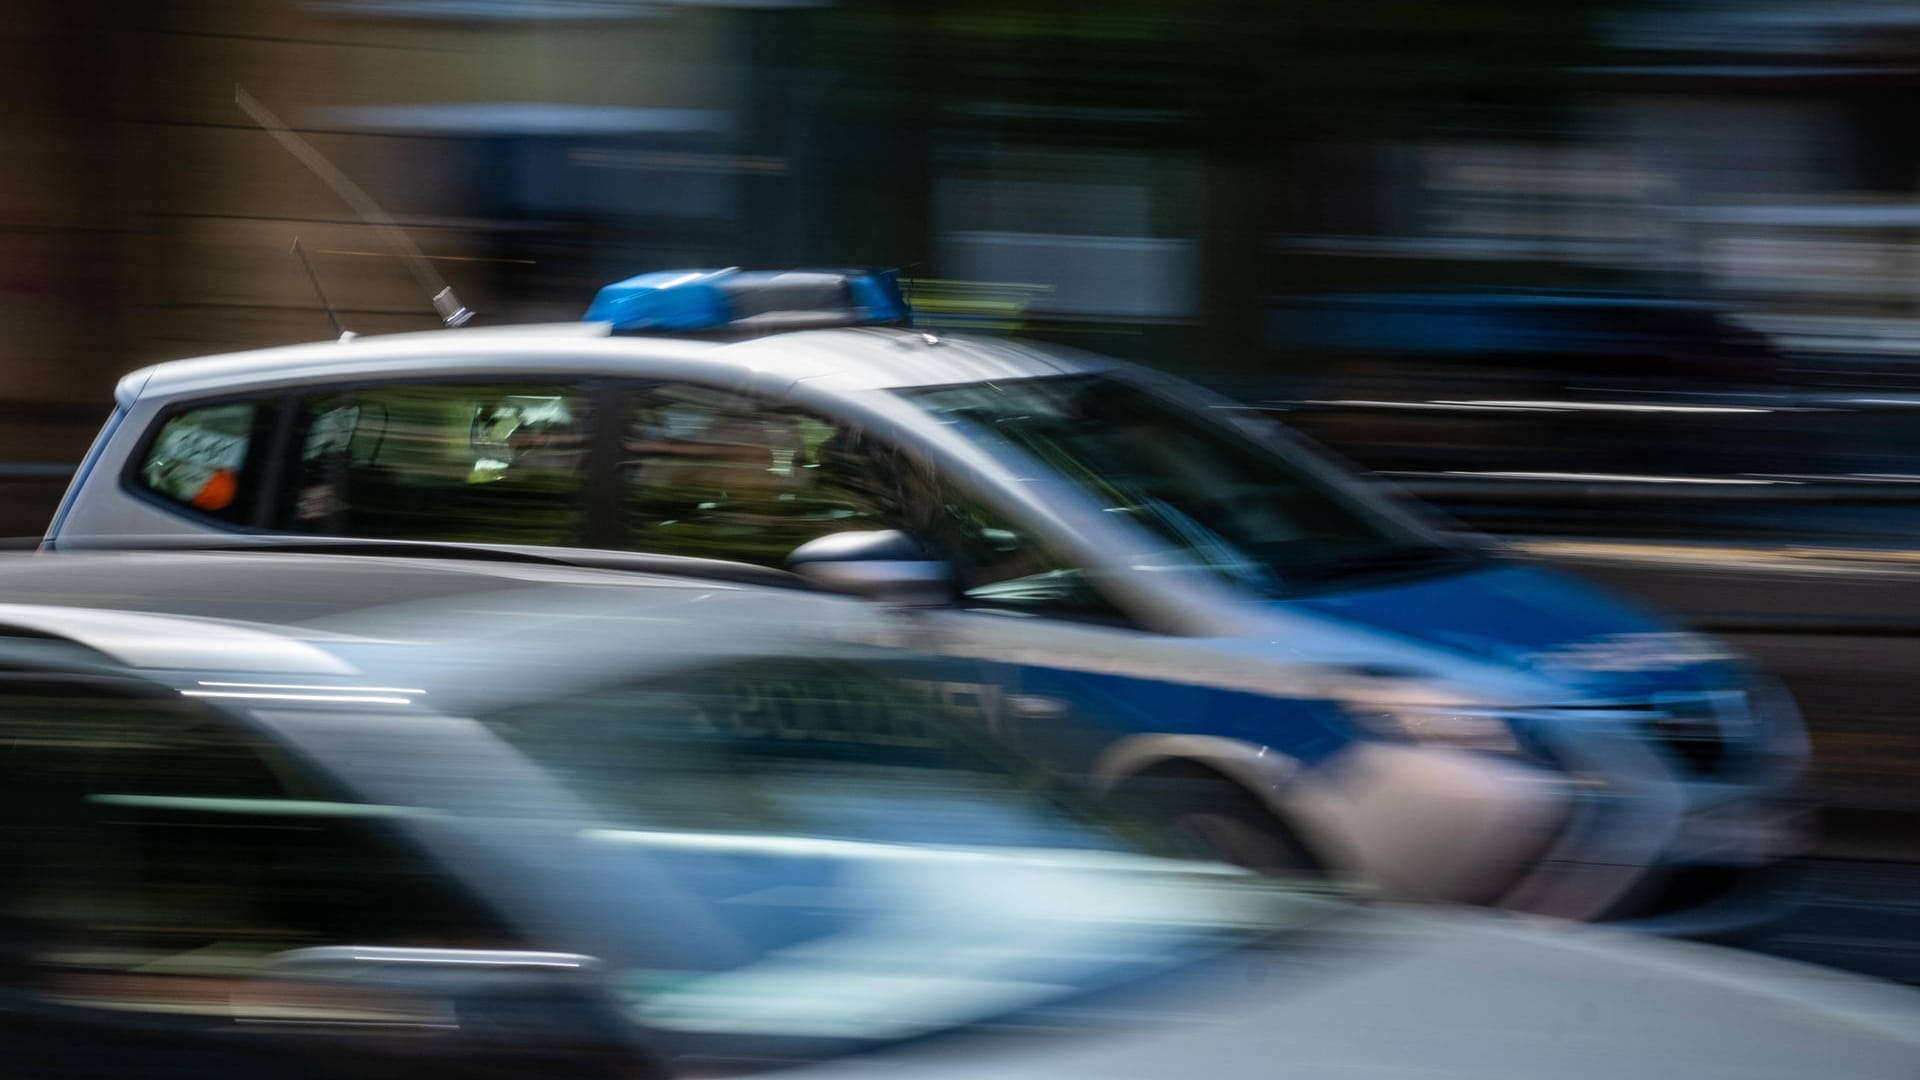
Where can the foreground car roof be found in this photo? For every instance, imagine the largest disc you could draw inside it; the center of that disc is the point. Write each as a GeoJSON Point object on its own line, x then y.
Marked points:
{"type": "Point", "coordinates": [866, 358]}
{"type": "Point", "coordinates": [470, 633]}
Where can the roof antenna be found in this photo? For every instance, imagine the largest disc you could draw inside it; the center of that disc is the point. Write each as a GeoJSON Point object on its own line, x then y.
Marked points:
{"type": "Point", "coordinates": [452, 311]}
{"type": "Point", "coordinates": [927, 337]}
{"type": "Point", "coordinates": [906, 283]}
{"type": "Point", "coordinates": [301, 254]}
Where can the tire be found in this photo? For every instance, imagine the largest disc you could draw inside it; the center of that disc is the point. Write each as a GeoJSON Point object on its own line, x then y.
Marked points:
{"type": "Point", "coordinates": [1205, 814]}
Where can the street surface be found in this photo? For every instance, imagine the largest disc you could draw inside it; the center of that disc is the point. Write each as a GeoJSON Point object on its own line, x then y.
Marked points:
{"type": "Point", "coordinates": [1860, 916]}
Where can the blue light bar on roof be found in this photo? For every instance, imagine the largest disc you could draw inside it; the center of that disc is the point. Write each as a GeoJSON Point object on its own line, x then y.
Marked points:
{"type": "Point", "coordinates": [707, 301]}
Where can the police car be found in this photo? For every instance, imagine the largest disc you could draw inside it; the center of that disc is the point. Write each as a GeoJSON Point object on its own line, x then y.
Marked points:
{"type": "Point", "coordinates": [1147, 583]}
{"type": "Point", "coordinates": [346, 815]}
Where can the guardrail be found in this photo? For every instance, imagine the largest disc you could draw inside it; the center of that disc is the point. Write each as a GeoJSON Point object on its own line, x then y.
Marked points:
{"type": "Point", "coordinates": [1533, 489]}
{"type": "Point", "coordinates": [1621, 403]}
{"type": "Point", "coordinates": [1810, 625]}
{"type": "Point", "coordinates": [1712, 417]}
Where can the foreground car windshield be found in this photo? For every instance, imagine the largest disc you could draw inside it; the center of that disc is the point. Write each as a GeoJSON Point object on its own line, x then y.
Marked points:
{"type": "Point", "coordinates": [879, 871]}
{"type": "Point", "coordinates": [1224, 503]}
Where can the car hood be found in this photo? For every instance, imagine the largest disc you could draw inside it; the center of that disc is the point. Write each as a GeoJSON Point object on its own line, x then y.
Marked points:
{"type": "Point", "coordinates": [1392, 995]}
{"type": "Point", "coordinates": [1539, 623]}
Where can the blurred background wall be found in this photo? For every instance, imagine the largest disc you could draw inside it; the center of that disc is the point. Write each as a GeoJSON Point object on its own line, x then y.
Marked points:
{"type": "Point", "coordinates": [1640, 267]}
{"type": "Point", "coordinates": [1154, 178]}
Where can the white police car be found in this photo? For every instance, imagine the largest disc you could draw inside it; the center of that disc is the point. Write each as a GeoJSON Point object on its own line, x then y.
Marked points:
{"type": "Point", "coordinates": [1149, 583]}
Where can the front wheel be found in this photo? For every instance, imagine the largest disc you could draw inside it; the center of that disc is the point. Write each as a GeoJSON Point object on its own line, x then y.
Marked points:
{"type": "Point", "coordinates": [1208, 815]}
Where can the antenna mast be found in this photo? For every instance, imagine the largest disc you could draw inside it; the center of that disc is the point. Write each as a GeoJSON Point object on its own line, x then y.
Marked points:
{"type": "Point", "coordinates": [301, 254]}
{"type": "Point", "coordinates": [452, 312]}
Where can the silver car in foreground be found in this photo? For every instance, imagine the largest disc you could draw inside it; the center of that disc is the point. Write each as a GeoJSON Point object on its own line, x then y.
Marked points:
{"type": "Point", "coordinates": [329, 815]}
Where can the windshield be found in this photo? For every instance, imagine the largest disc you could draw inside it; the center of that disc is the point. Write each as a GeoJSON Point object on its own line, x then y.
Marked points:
{"type": "Point", "coordinates": [1223, 502]}
{"type": "Point", "coordinates": [880, 869]}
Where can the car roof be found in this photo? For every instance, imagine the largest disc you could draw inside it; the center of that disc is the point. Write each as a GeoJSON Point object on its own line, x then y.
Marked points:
{"type": "Point", "coordinates": [475, 633]}
{"type": "Point", "coordinates": [862, 358]}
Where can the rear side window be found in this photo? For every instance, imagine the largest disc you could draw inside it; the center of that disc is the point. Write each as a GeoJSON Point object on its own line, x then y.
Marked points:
{"type": "Point", "coordinates": [199, 459]}
{"type": "Point", "coordinates": [501, 463]}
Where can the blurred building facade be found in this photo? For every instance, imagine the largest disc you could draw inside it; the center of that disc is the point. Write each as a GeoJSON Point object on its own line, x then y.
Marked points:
{"type": "Point", "coordinates": [1148, 179]}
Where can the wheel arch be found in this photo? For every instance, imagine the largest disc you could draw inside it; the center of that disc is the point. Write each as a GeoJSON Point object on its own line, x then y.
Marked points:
{"type": "Point", "coordinates": [1262, 773]}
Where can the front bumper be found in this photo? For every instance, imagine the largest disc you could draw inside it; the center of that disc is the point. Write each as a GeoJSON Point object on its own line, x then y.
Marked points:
{"type": "Point", "coordinates": [1418, 823]}
{"type": "Point", "coordinates": [1631, 843]}
{"type": "Point", "coordinates": [1725, 866]}
{"type": "Point", "coordinates": [1665, 842]}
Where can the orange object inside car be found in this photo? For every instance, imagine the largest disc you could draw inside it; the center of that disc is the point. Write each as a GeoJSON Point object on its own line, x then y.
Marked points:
{"type": "Point", "coordinates": [218, 492]}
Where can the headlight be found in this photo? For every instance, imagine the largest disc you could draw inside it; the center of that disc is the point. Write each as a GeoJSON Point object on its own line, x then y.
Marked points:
{"type": "Point", "coordinates": [1485, 730]}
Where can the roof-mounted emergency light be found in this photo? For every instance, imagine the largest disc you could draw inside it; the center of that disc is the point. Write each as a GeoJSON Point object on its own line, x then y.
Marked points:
{"type": "Point", "coordinates": [748, 301]}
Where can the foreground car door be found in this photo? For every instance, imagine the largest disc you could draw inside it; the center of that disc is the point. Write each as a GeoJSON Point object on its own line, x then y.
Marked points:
{"type": "Point", "coordinates": [163, 861]}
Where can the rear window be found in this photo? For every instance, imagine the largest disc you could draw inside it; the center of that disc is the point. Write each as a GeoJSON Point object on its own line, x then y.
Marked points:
{"type": "Point", "coordinates": [199, 459]}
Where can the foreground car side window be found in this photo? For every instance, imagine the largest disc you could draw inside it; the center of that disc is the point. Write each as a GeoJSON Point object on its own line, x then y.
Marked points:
{"type": "Point", "coordinates": [159, 854]}
{"type": "Point", "coordinates": [199, 459]}
{"type": "Point", "coordinates": [504, 463]}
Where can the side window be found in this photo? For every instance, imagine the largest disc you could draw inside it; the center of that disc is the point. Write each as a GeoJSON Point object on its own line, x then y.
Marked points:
{"type": "Point", "coordinates": [1000, 566]}
{"type": "Point", "coordinates": [157, 854]}
{"type": "Point", "coordinates": [199, 458]}
{"type": "Point", "coordinates": [720, 475]}
{"type": "Point", "coordinates": [453, 461]}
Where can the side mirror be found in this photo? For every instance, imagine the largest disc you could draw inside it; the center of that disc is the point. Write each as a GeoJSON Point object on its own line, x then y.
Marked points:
{"type": "Point", "coordinates": [885, 566]}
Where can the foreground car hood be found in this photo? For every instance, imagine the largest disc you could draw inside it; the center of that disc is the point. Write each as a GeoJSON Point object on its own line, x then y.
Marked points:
{"type": "Point", "coordinates": [1540, 622]}
{"type": "Point", "coordinates": [1394, 995]}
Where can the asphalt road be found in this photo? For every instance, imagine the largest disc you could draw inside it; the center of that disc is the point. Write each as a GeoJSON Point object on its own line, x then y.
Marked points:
{"type": "Point", "coordinates": [1860, 916]}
